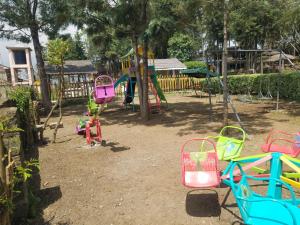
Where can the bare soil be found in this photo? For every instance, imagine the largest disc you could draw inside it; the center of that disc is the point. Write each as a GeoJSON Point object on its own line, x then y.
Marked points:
{"type": "Point", "coordinates": [135, 178]}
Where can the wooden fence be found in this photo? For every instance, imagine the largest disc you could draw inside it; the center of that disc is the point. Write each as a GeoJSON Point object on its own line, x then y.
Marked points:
{"type": "Point", "coordinates": [178, 83]}
{"type": "Point", "coordinates": [167, 83]}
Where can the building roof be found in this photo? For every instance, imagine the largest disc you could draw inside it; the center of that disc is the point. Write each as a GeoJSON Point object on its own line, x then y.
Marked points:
{"type": "Point", "coordinates": [72, 66]}
{"type": "Point", "coordinates": [167, 64]}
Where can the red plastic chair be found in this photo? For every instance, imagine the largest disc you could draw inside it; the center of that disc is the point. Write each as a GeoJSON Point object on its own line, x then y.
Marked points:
{"type": "Point", "coordinates": [200, 169]}
{"type": "Point", "coordinates": [290, 147]}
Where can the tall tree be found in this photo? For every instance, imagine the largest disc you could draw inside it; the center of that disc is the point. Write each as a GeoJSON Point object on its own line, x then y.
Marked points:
{"type": "Point", "coordinates": [162, 26]}
{"type": "Point", "coordinates": [76, 48]}
{"type": "Point", "coordinates": [181, 46]}
{"type": "Point", "coordinates": [23, 20]}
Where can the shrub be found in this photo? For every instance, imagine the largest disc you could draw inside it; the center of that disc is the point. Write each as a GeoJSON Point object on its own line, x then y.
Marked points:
{"type": "Point", "coordinates": [195, 64]}
{"type": "Point", "coordinates": [288, 84]}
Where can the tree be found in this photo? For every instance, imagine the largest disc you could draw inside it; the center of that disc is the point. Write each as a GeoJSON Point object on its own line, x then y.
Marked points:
{"type": "Point", "coordinates": [23, 20]}
{"type": "Point", "coordinates": [212, 24]}
{"type": "Point", "coordinates": [56, 51]}
{"type": "Point", "coordinates": [162, 26]}
{"type": "Point", "coordinates": [166, 17]}
{"type": "Point", "coordinates": [76, 51]}
{"type": "Point", "coordinates": [181, 46]}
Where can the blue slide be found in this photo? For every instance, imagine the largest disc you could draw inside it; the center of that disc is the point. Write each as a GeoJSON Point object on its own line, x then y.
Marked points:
{"type": "Point", "coordinates": [122, 79]}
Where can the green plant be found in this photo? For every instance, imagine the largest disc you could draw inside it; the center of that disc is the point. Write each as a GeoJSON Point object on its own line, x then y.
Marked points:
{"type": "Point", "coordinates": [195, 64]}
{"type": "Point", "coordinates": [5, 127]}
{"type": "Point", "coordinates": [56, 51]}
{"type": "Point", "coordinates": [5, 202]}
{"type": "Point", "coordinates": [23, 173]}
{"type": "Point", "coordinates": [21, 95]}
{"type": "Point", "coordinates": [288, 84]}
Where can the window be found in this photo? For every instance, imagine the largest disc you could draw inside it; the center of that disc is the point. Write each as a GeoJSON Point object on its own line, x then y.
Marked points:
{"type": "Point", "coordinates": [21, 75]}
{"type": "Point", "coordinates": [20, 57]}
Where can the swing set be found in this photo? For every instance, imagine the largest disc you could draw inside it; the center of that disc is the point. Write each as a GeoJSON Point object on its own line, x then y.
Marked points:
{"type": "Point", "coordinates": [103, 93]}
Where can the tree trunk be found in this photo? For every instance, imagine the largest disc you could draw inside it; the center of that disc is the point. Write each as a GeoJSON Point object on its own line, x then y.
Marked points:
{"type": "Point", "coordinates": [224, 68]}
{"type": "Point", "coordinates": [40, 67]}
{"type": "Point", "coordinates": [50, 114]}
{"type": "Point", "coordinates": [138, 71]}
{"type": "Point", "coordinates": [145, 108]}
{"type": "Point", "coordinates": [61, 91]}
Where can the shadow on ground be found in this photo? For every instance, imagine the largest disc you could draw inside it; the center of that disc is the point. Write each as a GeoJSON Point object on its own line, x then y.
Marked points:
{"type": "Point", "coordinates": [193, 116]}
{"type": "Point", "coordinates": [114, 146]}
{"type": "Point", "coordinates": [203, 203]}
{"type": "Point", "coordinates": [47, 197]}
{"type": "Point", "coordinates": [190, 115]}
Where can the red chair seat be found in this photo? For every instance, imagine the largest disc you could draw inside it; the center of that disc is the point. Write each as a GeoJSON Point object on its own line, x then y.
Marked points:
{"type": "Point", "coordinates": [201, 179]}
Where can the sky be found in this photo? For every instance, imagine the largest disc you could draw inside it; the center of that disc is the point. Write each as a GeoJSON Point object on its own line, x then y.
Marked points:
{"type": "Point", "coordinates": [11, 43]}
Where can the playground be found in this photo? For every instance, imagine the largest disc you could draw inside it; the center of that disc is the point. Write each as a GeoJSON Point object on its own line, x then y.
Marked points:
{"type": "Point", "coordinates": [135, 176]}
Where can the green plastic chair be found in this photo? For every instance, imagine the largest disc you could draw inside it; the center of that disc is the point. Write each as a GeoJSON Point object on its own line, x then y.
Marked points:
{"type": "Point", "coordinates": [229, 147]}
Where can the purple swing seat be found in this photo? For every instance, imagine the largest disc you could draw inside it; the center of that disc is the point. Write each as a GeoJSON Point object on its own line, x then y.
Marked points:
{"type": "Point", "coordinates": [104, 89]}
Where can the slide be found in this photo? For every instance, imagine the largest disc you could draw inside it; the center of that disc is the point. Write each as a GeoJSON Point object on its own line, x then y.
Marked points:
{"type": "Point", "coordinates": [123, 78]}
{"type": "Point", "coordinates": [130, 90]}
{"type": "Point", "coordinates": [158, 88]}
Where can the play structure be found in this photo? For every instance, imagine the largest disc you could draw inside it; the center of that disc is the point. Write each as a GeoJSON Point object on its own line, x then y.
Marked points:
{"type": "Point", "coordinates": [128, 80]}
{"type": "Point", "coordinates": [103, 93]}
{"type": "Point", "coordinates": [261, 196]}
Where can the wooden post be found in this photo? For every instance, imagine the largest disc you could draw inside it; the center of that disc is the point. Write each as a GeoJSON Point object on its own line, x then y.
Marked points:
{"type": "Point", "coordinates": [261, 63]}
{"type": "Point", "coordinates": [277, 101]}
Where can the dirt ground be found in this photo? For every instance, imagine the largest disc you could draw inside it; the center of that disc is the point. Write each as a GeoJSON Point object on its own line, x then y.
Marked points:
{"type": "Point", "coordinates": [135, 178]}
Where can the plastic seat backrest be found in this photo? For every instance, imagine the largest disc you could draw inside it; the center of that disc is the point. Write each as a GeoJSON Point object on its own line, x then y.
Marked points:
{"type": "Point", "coordinates": [242, 191]}
{"type": "Point", "coordinates": [290, 147]}
{"type": "Point", "coordinates": [230, 147]}
{"type": "Point", "coordinates": [190, 161]}
{"type": "Point", "coordinates": [104, 90]}
{"type": "Point", "coordinates": [246, 199]}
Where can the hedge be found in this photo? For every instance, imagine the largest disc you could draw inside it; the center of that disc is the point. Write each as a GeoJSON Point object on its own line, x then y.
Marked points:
{"type": "Point", "coordinates": [288, 84]}
{"type": "Point", "coordinates": [195, 64]}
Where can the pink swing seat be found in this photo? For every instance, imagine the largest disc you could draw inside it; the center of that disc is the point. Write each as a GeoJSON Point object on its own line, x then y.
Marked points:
{"type": "Point", "coordinates": [291, 147]}
{"type": "Point", "coordinates": [104, 89]}
{"type": "Point", "coordinates": [200, 169]}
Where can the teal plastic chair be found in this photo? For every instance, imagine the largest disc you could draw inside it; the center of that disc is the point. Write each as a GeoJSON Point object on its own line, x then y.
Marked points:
{"type": "Point", "coordinates": [229, 147]}
{"type": "Point", "coordinates": [256, 209]}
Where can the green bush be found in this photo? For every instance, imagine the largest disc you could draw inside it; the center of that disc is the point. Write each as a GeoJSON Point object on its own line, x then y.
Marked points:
{"type": "Point", "coordinates": [288, 84]}
{"type": "Point", "coordinates": [195, 64]}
